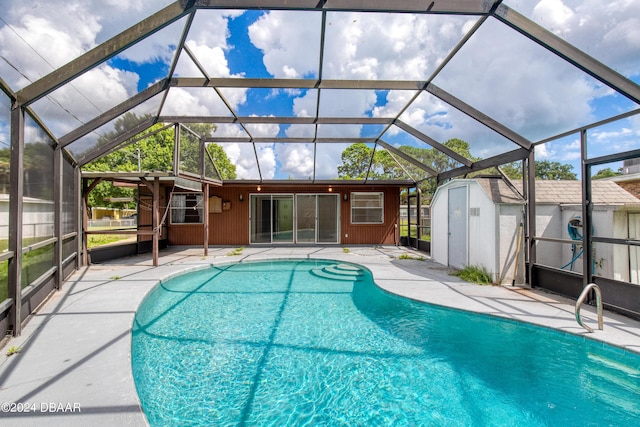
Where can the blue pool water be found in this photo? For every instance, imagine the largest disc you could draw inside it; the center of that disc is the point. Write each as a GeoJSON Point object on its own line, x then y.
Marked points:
{"type": "Point", "coordinates": [312, 342]}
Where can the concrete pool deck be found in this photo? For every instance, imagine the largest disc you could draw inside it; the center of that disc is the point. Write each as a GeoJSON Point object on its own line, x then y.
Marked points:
{"type": "Point", "coordinates": [74, 367]}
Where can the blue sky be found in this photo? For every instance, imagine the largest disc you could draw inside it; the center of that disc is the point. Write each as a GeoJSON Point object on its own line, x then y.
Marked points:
{"type": "Point", "coordinates": [498, 72]}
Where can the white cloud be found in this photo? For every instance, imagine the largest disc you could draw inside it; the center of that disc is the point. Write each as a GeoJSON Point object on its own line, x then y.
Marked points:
{"type": "Point", "coordinates": [615, 137]}
{"type": "Point", "coordinates": [306, 105]}
{"type": "Point", "coordinates": [519, 84]}
{"type": "Point", "coordinates": [609, 31]}
{"type": "Point", "coordinates": [554, 13]}
{"type": "Point", "coordinates": [267, 159]}
{"type": "Point", "coordinates": [296, 160]}
{"type": "Point", "coordinates": [328, 158]}
{"type": "Point", "coordinates": [566, 150]}
{"type": "Point", "coordinates": [243, 157]}
{"type": "Point", "coordinates": [346, 103]}
{"type": "Point", "coordinates": [187, 103]}
{"type": "Point", "coordinates": [61, 30]}
{"type": "Point", "coordinates": [34, 46]}
{"type": "Point", "coordinates": [86, 97]}
{"type": "Point", "coordinates": [290, 42]}
{"type": "Point", "coordinates": [608, 136]}
{"type": "Point", "coordinates": [503, 74]}
{"type": "Point", "coordinates": [300, 131]}
{"type": "Point", "coordinates": [543, 152]}
{"type": "Point", "coordinates": [385, 46]}
{"type": "Point", "coordinates": [263, 130]}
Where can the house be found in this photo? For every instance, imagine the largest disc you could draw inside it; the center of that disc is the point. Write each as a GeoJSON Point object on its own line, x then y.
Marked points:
{"type": "Point", "coordinates": [275, 213]}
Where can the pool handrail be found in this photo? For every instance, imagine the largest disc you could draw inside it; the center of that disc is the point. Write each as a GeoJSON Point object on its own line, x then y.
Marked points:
{"type": "Point", "coordinates": [582, 298]}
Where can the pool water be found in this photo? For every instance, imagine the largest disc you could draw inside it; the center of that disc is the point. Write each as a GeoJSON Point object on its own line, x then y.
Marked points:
{"type": "Point", "coordinates": [314, 342]}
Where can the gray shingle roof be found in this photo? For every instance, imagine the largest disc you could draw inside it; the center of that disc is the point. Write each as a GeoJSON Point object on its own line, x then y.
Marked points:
{"type": "Point", "coordinates": [570, 192]}
{"type": "Point", "coordinates": [498, 190]}
{"type": "Point", "coordinates": [604, 192]}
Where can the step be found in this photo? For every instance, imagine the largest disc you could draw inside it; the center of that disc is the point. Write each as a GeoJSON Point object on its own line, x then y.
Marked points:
{"type": "Point", "coordinates": [343, 269]}
{"type": "Point", "coordinates": [321, 272]}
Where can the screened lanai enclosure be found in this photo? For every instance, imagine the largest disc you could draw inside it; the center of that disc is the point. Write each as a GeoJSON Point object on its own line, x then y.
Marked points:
{"type": "Point", "coordinates": [303, 122]}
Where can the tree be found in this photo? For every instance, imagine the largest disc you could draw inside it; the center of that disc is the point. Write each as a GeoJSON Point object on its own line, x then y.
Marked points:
{"type": "Point", "coordinates": [548, 170]}
{"type": "Point", "coordinates": [153, 153]}
{"type": "Point", "coordinates": [512, 170]}
{"type": "Point", "coordinates": [442, 162]}
{"type": "Point", "coordinates": [545, 169]}
{"type": "Point", "coordinates": [607, 173]}
{"type": "Point", "coordinates": [359, 159]}
{"type": "Point", "coordinates": [356, 159]}
{"type": "Point", "coordinates": [223, 164]}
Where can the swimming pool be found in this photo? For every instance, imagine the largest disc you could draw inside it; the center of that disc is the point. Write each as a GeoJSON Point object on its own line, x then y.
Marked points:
{"type": "Point", "coordinates": [315, 342]}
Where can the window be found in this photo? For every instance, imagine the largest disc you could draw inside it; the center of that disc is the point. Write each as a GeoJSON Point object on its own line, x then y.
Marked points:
{"type": "Point", "coordinates": [187, 208]}
{"type": "Point", "coordinates": [367, 208]}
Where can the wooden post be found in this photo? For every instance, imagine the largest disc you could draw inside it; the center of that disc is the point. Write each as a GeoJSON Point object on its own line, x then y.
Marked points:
{"type": "Point", "coordinates": [86, 189]}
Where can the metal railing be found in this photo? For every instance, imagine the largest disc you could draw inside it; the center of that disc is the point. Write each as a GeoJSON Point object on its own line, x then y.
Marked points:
{"type": "Point", "coordinates": [581, 300]}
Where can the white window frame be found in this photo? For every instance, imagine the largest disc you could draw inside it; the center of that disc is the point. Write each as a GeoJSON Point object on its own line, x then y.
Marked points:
{"type": "Point", "coordinates": [178, 203]}
{"type": "Point", "coordinates": [372, 205]}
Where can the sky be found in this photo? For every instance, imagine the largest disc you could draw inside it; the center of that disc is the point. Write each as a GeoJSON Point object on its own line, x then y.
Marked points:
{"type": "Point", "coordinates": [498, 72]}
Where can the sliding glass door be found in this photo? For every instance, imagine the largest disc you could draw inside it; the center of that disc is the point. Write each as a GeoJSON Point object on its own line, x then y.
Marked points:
{"type": "Point", "coordinates": [271, 218]}
{"type": "Point", "coordinates": [317, 218]}
{"type": "Point", "coordinates": [328, 218]}
{"type": "Point", "coordinates": [282, 219]}
{"type": "Point", "coordinates": [314, 218]}
{"type": "Point", "coordinates": [306, 218]}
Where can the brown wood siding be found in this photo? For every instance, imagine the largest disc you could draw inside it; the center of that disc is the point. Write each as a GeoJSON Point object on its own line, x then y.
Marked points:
{"type": "Point", "coordinates": [231, 226]}
{"type": "Point", "coordinates": [183, 234]}
{"type": "Point", "coordinates": [368, 234]}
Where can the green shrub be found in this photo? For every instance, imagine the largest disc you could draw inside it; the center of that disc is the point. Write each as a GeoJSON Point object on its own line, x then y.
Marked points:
{"type": "Point", "coordinates": [407, 256]}
{"type": "Point", "coordinates": [236, 251]}
{"type": "Point", "coordinates": [13, 350]}
{"type": "Point", "coordinates": [475, 274]}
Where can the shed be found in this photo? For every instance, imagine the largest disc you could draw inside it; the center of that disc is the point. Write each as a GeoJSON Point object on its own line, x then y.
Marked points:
{"type": "Point", "coordinates": [477, 222]}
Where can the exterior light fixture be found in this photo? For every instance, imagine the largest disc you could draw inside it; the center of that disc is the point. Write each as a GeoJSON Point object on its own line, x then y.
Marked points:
{"type": "Point", "coordinates": [241, 197]}
{"type": "Point", "coordinates": [259, 188]}
{"type": "Point", "coordinates": [345, 197]}
{"type": "Point", "coordinates": [330, 189]}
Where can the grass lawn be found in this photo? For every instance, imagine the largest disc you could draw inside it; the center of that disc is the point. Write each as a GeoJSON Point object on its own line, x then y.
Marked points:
{"type": "Point", "coordinates": [36, 262]}
{"type": "Point", "coordinates": [94, 240]}
{"type": "Point", "coordinates": [404, 231]}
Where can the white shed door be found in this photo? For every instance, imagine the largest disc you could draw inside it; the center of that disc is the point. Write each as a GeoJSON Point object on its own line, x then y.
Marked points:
{"type": "Point", "coordinates": [457, 227]}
